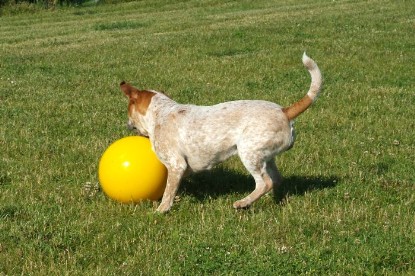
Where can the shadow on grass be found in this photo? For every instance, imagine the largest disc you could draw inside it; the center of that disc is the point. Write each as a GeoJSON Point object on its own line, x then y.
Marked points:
{"type": "Point", "coordinates": [215, 183]}
{"type": "Point", "coordinates": [300, 185]}
{"type": "Point", "coordinates": [219, 182]}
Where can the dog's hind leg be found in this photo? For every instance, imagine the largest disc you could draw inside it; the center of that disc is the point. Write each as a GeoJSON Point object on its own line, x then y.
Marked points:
{"type": "Point", "coordinates": [265, 174]}
{"type": "Point", "coordinates": [274, 173]}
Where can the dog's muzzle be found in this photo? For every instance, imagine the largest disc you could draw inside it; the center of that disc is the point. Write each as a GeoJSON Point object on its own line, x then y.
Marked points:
{"type": "Point", "coordinates": [131, 126]}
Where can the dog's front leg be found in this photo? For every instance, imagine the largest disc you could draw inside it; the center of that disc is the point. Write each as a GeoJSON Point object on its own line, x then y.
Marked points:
{"type": "Point", "coordinates": [173, 181]}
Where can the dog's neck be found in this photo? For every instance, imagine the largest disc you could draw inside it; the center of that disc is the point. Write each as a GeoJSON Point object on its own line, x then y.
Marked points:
{"type": "Point", "coordinates": [159, 108]}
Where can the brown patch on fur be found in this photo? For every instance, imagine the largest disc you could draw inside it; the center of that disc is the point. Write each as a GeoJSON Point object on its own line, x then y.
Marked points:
{"type": "Point", "coordinates": [143, 101]}
{"type": "Point", "coordinates": [138, 98]}
{"type": "Point", "coordinates": [182, 111]}
{"type": "Point", "coordinates": [297, 108]}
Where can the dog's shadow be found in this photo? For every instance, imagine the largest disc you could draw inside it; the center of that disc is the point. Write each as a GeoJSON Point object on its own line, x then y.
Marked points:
{"type": "Point", "coordinates": [220, 181]}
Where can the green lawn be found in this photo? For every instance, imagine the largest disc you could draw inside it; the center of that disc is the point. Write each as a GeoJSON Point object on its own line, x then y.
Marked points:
{"type": "Point", "coordinates": [349, 191]}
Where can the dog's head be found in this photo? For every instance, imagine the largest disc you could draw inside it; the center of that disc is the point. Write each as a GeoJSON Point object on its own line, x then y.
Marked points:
{"type": "Point", "coordinates": [138, 102]}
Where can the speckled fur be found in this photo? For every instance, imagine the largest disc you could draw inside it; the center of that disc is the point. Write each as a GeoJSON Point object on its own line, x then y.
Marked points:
{"type": "Point", "coordinates": [189, 138]}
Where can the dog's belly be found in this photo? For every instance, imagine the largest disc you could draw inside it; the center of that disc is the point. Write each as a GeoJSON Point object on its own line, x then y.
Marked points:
{"type": "Point", "coordinates": [205, 159]}
{"type": "Point", "coordinates": [204, 149]}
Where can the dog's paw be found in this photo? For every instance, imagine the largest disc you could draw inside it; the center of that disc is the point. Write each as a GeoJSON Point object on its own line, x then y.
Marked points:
{"type": "Point", "coordinates": [241, 204]}
{"type": "Point", "coordinates": [162, 209]}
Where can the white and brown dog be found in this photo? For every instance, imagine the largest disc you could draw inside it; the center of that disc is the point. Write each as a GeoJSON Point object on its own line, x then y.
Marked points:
{"type": "Point", "coordinates": [189, 138]}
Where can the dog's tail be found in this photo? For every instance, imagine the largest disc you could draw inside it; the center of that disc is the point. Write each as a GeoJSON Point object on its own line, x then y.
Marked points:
{"type": "Point", "coordinates": [316, 81]}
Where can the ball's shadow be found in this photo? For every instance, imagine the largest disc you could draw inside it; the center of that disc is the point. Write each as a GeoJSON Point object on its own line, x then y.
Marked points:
{"type": "Point", "coordinates": [220, 181]}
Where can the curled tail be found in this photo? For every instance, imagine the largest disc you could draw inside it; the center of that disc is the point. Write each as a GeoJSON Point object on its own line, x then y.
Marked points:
{"type": "Point", "coordinates": [316, 81]}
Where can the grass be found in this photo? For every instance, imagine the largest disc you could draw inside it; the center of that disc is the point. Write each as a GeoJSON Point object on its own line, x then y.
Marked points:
{"type": "Point", "coordinates": [348, 196]}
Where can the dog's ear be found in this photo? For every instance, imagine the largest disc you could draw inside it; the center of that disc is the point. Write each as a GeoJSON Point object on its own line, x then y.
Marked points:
{"type": "Point", "coordinates": [140, 98]}
{"type": "Point", "coordinates": [130, 91]}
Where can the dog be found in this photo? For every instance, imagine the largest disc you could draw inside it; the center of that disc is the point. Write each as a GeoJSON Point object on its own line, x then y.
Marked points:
{"type": "Point", "coordinates": [189, 138]}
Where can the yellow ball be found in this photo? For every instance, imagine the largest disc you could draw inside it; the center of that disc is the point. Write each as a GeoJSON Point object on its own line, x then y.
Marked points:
{"type": "Point", "coordinates": [129, 171]}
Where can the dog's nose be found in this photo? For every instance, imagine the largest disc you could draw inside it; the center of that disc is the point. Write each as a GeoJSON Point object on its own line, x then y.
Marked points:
{"type": "Point", "coordinates": [131, 126]}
